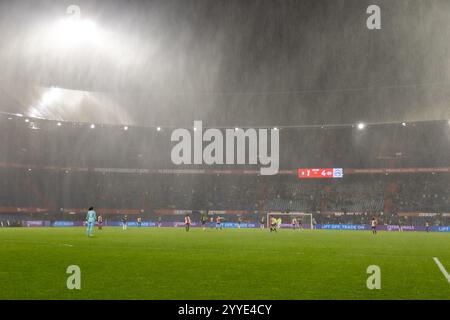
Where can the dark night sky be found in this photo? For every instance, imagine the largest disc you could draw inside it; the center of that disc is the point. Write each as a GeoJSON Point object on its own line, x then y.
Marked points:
{"type": "Point", "coordinates": [229, 62]}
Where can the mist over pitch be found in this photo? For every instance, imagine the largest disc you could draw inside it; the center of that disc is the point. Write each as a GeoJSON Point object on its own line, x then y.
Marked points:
{"type": "Point", "coordinates": [291, 62]}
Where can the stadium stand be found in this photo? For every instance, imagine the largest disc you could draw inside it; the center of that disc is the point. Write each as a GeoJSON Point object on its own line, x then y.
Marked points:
{"type": "Point", "coordinates": [85, 174]}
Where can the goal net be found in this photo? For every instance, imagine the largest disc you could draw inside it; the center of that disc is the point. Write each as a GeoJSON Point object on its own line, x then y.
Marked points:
{"type": "Point", "coordinates": [292, 219]}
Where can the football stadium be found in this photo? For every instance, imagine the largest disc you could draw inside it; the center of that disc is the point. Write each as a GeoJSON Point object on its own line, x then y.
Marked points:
{"type": "Point", "coordinates": [225, 150]}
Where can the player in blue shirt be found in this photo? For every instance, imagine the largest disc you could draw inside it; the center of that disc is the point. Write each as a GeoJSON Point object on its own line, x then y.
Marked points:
{"type": "Point", "coordinates": [91, 217]}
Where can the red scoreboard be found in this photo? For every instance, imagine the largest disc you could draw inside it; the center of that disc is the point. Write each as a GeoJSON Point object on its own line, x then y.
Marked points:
{"type": "Point", "coordinates": [311, 173]}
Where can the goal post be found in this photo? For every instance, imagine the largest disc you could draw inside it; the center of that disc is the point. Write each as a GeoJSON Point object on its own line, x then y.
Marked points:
{"type": "Point", "coordinates": [305, 218]}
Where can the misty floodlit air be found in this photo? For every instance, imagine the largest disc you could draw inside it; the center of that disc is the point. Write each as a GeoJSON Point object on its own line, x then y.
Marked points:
{"type": "Point", "coordinates": [225, 156]}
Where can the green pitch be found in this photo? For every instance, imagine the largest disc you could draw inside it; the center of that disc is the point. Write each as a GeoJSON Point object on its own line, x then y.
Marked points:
{"type": "Point", "coordinates": [169, 263]}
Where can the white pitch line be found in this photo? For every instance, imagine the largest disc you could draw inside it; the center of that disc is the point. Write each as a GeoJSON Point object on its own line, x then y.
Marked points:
{"type": "Point", "coordinates": [441, 267]}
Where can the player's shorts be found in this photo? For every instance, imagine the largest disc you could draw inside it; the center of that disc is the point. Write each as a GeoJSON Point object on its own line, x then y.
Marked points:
{"type": "Point", "coordinates": [203, 223]}
{"type": "Point", "coordinates": [374, 227]}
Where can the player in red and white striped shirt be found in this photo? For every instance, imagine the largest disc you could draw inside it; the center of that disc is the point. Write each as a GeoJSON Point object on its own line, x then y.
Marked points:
{"type": "Point", "coordinates": [187, 222]}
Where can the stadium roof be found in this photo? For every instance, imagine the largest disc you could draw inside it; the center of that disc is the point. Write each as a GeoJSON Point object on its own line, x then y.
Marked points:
{"type": "Point", "coordinates": [228, 63]}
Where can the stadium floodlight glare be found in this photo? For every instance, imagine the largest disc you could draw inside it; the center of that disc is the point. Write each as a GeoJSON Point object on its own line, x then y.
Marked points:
{"type": "Point", "coordinates": [72, 31]}
{"type": "Point", "coordinates": [19, 115]}
{"type": "Point", "coordinates": [158, 129]}
{"type": "Point", "coordinates": [404, 124]}
{"type": "Point", "coordinates": [50, 96]}
{"type": "Point", "coordinates": [361, 126]}
{"type": "Point", "coordinates": [92, 126]}
{"type": "Point", "coordinates": [27, 120]}
{"type": "Point", "coordinates": [275, 128]}
{"type": "Point", "coordinates": [59, 124]}
{"type": "Point", "coordinates": [125, 128]}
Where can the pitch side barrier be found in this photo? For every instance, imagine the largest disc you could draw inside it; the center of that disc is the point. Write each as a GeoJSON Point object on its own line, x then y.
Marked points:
{"type": "Point", "coordinates": [234, 225]}
{"type": "Point", "coordinates": [135, 224]}
{"type": "Point", "coordinates": [357, 227]}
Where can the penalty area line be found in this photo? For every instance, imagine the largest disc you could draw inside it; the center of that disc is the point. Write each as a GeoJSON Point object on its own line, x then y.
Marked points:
{"type": "Point", "coordinates": [441, 267]}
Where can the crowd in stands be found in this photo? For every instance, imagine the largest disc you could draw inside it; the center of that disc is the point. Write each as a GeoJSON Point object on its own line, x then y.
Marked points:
{"type": "Point", "coordinates": [312, 196]}
{"type": "Point", "coordinates": [354, 199]}
{"type": "Point", "coordinates": [428, 195]}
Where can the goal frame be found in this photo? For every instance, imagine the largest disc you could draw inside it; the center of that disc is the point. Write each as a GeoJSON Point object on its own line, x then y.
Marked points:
{"type": "Point", "coordinates": [290, 214]}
